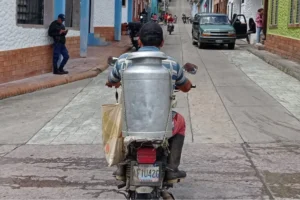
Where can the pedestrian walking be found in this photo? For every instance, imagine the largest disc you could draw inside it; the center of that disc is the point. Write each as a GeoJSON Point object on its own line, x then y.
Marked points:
{"type": "Point", "coordinates": [166, 18]}
{"type": "Point", "coordinates": [58, 32]}
{"type": "Point", "coordinates": [259, 24]}
{"type": "Point", "coordinates": [175, 19]}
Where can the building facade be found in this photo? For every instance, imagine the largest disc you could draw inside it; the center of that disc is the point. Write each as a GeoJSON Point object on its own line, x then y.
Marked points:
{"type": "Point", "coordinates": [283, 28]}
{"type": "Point", "coordinates": [25, 48]}
{"type": "Point", "coordinates": [248, 8]}
{"type": "Point", "coordinates": [220, 6]}
{"type": "Point", "coordinates": [205, 6]}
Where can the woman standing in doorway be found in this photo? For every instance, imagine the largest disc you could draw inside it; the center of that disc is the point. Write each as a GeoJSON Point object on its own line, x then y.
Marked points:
{"type": "Point", "coordinates": [259, 23]}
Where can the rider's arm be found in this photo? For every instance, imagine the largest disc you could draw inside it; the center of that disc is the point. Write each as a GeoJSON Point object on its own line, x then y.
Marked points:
{"type": "Point", "coordinates": [182, 83]}
{"type": "Point", "coordinates": [114, 77]}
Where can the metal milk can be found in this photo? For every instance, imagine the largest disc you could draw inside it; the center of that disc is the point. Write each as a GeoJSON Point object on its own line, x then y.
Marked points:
{"type": "Point", "coordinates": [147, 95]}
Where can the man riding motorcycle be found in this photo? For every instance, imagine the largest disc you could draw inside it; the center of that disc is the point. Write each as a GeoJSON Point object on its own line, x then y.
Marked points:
{"type": "Point", "coordinates": [151, 39]}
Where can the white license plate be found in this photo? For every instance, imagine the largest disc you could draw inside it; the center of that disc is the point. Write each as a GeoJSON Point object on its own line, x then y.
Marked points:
{"type": "Point", "coordinates": [135, 38]}
{"type": "Point", "coordinates": [219, 41]}
{"type": "Point", "coordinates": [146, 173]}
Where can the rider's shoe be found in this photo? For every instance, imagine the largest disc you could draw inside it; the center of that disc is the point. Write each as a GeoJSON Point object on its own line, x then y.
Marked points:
{"type": "Point", "coordinates": [173, 174]}
{"type": "Point", "coordinates": [120, 173]}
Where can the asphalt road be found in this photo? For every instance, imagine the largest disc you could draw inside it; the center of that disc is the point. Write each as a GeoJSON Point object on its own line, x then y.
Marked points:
{"type": "Point", "coordinates": [242, 139]}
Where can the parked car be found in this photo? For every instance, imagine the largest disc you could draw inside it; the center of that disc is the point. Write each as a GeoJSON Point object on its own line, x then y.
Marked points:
{"type": "Point", "coordinates": [212, 28]}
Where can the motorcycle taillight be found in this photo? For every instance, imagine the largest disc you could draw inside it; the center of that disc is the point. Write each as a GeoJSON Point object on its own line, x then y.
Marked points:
{"type": "Point", "coordinates": [146, 155]}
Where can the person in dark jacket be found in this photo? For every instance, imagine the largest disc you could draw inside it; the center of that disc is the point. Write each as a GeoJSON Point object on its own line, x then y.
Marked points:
{"type": "Point", "coordinates": [58, 32]}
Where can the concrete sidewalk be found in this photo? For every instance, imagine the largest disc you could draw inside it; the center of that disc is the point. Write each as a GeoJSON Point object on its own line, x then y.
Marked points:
{"type": "Point", "coordinates": [289, 67]}
{"type": "Point", "coordinates": [79, 68]}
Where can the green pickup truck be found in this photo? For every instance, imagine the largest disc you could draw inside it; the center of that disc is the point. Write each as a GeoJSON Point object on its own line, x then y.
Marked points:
{"type": "Point", "coordinates": [213, 28]}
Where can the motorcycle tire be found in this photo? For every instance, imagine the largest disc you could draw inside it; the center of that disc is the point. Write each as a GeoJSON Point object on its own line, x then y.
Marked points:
{"type": "Point", "coordinates": [145, 196]}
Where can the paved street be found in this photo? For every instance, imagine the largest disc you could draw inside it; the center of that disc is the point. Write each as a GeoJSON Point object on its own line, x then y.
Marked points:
{"type": "Point", "coordinates": [242, 139]}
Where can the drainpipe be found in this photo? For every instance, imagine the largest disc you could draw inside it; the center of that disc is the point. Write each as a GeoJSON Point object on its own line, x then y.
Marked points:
{"type": "Point", "coordinates": [153, 6]}
{"type": "Point", "coordinates": [118, 19]}
{"type": "Point", "coordinates": [130, 10]}
{"type": "Point", "coordinates": [59, 8]}
{"type": "Point", "coordinates": [84, 26]}
{"type": "Point", "coordinates": [210, 5]}
{"type": "Point", "coordinates": [266, 7]}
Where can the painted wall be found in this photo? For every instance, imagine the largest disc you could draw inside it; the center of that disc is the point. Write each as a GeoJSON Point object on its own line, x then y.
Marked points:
{"type": "Point", "coordinates": [250, 7]}
{"type": "Point", "coordinates": [125, 12]}
{"type": "Point", "coordinates": [233, 7]}
{"type": "Point", "coordinates": [13, 36]}
{"type": "Point", "coordinates": [104, 13]}
{"type": "Point", "coordinates": [283, 21]}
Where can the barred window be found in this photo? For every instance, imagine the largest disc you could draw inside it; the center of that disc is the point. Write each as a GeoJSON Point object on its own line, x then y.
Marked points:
{"type": "Point", "coordinates": [274, 13]}
{"type": "Point", "coordinates": [298, 12]}
{"type": "Point", "coordinates": [30, 12]}
{"type": "Point", "coordinates": [294, 12]}
{"type": "Point", "coordinates": [292, 8]}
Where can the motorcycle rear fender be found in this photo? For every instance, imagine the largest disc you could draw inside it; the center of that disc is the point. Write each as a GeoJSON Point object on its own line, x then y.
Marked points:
{"type": "Point", "coordinates": [144, 190]}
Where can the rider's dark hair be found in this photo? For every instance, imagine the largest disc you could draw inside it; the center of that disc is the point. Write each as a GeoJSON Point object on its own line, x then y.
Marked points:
{"type": "Point", "coordinates": [151, 34]}
{"type": "Point", "coordinates": [151, 40]}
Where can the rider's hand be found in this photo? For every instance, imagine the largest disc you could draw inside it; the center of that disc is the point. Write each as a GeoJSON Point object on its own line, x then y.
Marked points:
{"type": "Point", "coordinates": [116, 85]}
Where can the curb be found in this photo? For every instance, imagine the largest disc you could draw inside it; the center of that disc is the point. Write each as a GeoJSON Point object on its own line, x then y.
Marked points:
{"type": "Point", "coordinates": [55, 81]}
{"type": "Point", "coordinates": [289, 67]}
{"type": "Point", "coordinates": [19, 89]}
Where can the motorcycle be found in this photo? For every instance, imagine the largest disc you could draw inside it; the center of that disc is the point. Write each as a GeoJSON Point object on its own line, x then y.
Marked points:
{"type": "Point", "coordinates": [184, 18]}
{"type": "Point", "coordinates": [145, 163]}
{"type": "Point", "coordinates": [170, 28]}
{"type": "Point", "coordinates": [143, 18]}
{"type": "Point", "coordinates": [134, 29]}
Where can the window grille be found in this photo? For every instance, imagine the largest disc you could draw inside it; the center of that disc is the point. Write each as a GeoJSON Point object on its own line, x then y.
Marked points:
{"type": "Point", "coordinates": [274, 13]}
{"type": "Point", "coordinates": [30, 12]}
{"type": "Point", "coordinates": [292, 6]}
{"type": "Point", "coordinates": [298, 12]}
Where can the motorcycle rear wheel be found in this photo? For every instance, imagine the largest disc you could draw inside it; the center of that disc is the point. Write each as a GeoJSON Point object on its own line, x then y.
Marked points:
{"type": "Point", "coordinates": [145, 196]}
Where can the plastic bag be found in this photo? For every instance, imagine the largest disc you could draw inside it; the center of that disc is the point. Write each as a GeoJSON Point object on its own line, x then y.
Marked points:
{"type": "Point", "coordinates": [112, 133]}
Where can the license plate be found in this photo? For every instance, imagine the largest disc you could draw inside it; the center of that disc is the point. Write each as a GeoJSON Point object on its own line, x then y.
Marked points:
{"type": "Point", "coordinates": [146, 173]}
{"type": "Point", "coordinates": [135, 38]}
{"type": "Point", "coordinates": [219, 41]}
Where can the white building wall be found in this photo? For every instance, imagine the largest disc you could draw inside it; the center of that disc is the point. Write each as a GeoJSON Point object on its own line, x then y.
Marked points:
{"type": "Point", "coordinates": [13, 36]}
{"type": "Point", "coordinates": [125, 12]}
{"type": "Point", "coordinates": [233, 7]}
{"type": "Point", "coordinates": [104, 13]}
{"type": "Point", "coordinates": [250, 7]}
